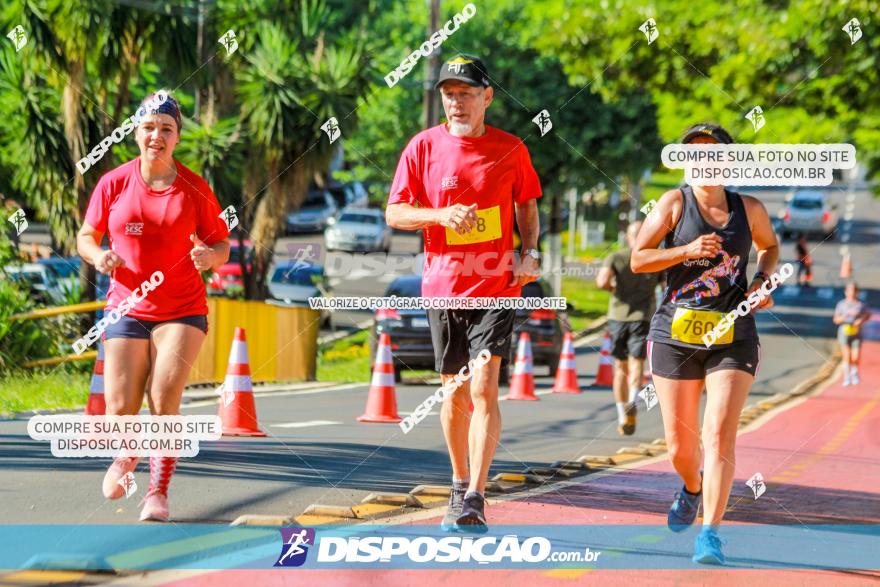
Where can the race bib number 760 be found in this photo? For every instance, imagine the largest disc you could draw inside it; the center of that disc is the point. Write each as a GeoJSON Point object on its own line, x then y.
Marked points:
{"type": "Point", "coordinates": [690, 325]}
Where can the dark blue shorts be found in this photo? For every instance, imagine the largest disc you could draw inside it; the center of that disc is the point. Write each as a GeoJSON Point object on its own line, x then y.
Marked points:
{"type": "Point", "coordinates": [129, 327]}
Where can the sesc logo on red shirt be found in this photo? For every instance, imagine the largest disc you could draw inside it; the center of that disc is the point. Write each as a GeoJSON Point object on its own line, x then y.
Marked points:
{"type": "Point", "coordinates": [134, 228]}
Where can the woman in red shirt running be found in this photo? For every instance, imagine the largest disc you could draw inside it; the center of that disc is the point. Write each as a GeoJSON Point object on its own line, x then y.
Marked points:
{"type": "Point", "coordinates": [163, 225]}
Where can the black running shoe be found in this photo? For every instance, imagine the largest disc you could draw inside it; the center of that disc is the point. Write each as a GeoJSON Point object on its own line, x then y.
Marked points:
{"type": "Point", "coordinates": [472, 518]}
{"type": "Point", "coordinates": [453, 510]}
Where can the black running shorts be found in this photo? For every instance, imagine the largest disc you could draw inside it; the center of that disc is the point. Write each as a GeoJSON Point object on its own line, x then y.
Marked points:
{"type": "Point", "coordinates": [679, 362]}
{"type": "Point", "coordinates": [459, 335]}
{"type": "Point", "coordinates": [629, 339]}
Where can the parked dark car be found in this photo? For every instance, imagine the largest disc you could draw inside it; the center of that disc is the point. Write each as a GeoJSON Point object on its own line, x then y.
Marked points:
{"type": "Point", "coordinates": [411, 346]}
{"type": "Point", "coordinates": [544, 328]}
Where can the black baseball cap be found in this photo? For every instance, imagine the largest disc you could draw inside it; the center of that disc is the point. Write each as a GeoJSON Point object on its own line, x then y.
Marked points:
{"type": "Point", "coordinates": [707, 129]}
{"type": "Point", "coordinates": [464, 68]}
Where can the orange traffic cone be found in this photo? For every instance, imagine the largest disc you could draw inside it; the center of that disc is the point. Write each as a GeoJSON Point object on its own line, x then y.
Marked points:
{"type": "Point", "coordinates": [381, 398]}
{"type": "Point", "coordinates": [239, 416]}
{"type": "Point", "coordinates": [846, 267]}
{"type": "Point", "coordinates": [605, 375]}
{"type": "Point", "coordinates": [96, 405]}
{"type": "Point", "coordinates": [522, 384]}
{"type": "Point", "coordinates": [566, 374]}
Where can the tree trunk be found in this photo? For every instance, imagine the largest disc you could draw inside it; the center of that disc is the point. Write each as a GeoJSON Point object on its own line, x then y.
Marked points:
{"type": "Point", "coordinates": [283, 194]}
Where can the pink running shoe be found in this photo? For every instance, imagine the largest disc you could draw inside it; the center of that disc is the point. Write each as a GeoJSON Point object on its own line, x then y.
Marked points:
{"type": "Point", "coordinates": [155, 507]}
{"type": "Point", "coordinates": [118, 470]}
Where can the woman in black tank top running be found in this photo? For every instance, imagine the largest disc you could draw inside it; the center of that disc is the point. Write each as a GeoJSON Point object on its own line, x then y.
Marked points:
{"type": "Point", "coordinates": [707, 233]}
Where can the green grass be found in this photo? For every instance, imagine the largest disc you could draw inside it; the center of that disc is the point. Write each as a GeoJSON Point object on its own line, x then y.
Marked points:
{"type": "Point", "coordinates": [44, 390]}
{"type": "Point", "coordinates": [346, 360]}
{"type": "Point", "coordinates": [589, 301]}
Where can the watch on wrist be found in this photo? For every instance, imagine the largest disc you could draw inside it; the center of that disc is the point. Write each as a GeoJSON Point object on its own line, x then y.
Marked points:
{"type": "Point", "coordinates": [533, 253]}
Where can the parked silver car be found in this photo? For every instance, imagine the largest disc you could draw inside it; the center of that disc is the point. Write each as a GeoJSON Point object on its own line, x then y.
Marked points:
{"type": "Point", "coordinates": [808, 211]}
{"type": "Point", "coordinates": [314, 215]}
{"type": "Point", "coordinates": [359, 229]}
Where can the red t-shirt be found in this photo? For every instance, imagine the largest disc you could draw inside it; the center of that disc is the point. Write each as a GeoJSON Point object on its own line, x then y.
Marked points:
{"type": "Point", "coordinates": [493, 171]}
{"type": "Point", "coordinates": [150, 230]}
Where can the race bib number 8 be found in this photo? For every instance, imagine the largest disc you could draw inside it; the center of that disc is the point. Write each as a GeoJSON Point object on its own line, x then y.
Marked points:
{"type": "Point", "coordinates": [487, 228]}
{"type": "Point", "coordinates": [690, 325]}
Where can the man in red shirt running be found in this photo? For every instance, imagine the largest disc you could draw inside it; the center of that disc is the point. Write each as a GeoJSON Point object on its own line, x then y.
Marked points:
{"type": "Point", "coordinates": [463, 183]}
{"type": "Point", "coordinates": [161, 220]}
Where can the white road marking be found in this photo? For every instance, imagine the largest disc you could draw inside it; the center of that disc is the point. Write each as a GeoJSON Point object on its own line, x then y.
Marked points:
{"type": "Point", "coordinates": [307, 424]}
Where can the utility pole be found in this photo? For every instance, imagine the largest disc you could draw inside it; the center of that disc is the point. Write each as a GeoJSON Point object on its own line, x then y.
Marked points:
{"type": "Point", "coordinates": [431, 105]}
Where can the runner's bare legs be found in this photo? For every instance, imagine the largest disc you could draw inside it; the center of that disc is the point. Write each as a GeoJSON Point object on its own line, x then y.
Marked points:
{"type": "Point", "coordinates": [455, 416]}
{"type": "Point", "coordinates": [680, 407]}
{"type": "Point", "coordinates": [472, 438]}
{"type": "Point", "coordinates": [126, 368]}
{"type": "Point", "coordinates": [726, 393]}
{"type": "Point", "coordinates": [485, 429]}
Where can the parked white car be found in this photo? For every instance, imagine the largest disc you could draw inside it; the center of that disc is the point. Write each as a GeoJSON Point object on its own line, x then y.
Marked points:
{"type": "Point", "coordinates": [359, 229]}
{"type": "Point", "coordinates": [808, 211]}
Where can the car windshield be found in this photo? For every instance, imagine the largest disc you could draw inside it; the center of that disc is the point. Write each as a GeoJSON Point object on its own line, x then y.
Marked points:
{"type": "Point", "coordinates": [806, 204]}
{"type": "Point", "coordinates": [290, 276]}
{"type": "Point", "coordinates": [28, 277]}
{"type": "Point", "coordinates": [405, 288]}
{"type": "Point", "coordinates": [314, 200]}
{"type": "Point", "coordinates": [64, 268]}
{"type": "Point", "coordinates": [359, 218]}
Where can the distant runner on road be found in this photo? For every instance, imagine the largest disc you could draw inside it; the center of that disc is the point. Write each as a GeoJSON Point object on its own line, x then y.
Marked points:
{"type": "Point", "coordinates": [463, 183]}
{"type": "Point", "coordinates": [630, 309]}
{"type": "Point", "coordinates": [707, 233]}
{"type": "Point", "coordinates": [850, 314]}
{"type": "Point", "coordinates": [805, 261]}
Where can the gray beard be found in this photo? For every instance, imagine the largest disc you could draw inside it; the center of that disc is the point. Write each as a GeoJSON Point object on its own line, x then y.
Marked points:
{"type": "Point", "coordinates": [460, 129]}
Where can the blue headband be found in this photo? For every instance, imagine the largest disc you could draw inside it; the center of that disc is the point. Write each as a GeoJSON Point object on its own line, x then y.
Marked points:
{"type": "Point", "coordinates": [159, 103]}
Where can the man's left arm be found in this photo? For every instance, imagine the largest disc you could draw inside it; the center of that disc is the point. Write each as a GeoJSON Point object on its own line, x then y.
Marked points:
{"type": "Point", "coordinates": [528, 268]}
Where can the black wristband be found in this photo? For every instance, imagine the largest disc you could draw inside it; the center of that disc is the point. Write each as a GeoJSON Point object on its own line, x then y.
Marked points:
{"type": "Point", "coordinates": [761, 275]}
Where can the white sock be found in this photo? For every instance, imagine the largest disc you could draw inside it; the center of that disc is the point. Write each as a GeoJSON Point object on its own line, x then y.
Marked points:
{"type": "Point", "coordinates": [633, 395]}
{"type": "Point", "coordinates": [853, 370]}
{"type": "Point", "coordinates": [621, 411]}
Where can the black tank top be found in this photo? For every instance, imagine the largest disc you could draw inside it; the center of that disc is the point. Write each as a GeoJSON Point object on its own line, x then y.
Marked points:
{"type": "Point", "coordinates": [716, 285]}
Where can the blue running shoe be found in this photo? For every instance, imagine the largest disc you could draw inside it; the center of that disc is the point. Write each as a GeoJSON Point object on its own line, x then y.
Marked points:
{"type": "Point", "coordinates": [707, 548]}
{"type": "Point", "coordinates": [453, 510]}
{"type": "Point", "coordinates": [472, 517]}
{"type": "Point", "coordinates": [683, 511]}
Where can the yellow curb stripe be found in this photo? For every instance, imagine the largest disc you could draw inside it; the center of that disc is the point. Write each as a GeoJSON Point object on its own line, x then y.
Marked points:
{"type": "Point", "coordinates": [45, 577]}
{"type": "Point", "coordinates": [317, 520]}
{"type": "Point", "coordinates": [372, 509]}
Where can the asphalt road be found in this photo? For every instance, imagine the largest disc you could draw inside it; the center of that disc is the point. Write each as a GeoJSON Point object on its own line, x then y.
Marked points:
{"type": "Point", "coordinates": [317, 452]}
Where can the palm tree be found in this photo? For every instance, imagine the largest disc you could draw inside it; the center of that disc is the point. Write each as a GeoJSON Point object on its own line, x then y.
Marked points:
{"type": "Point", "coordinates": [291, 85]}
